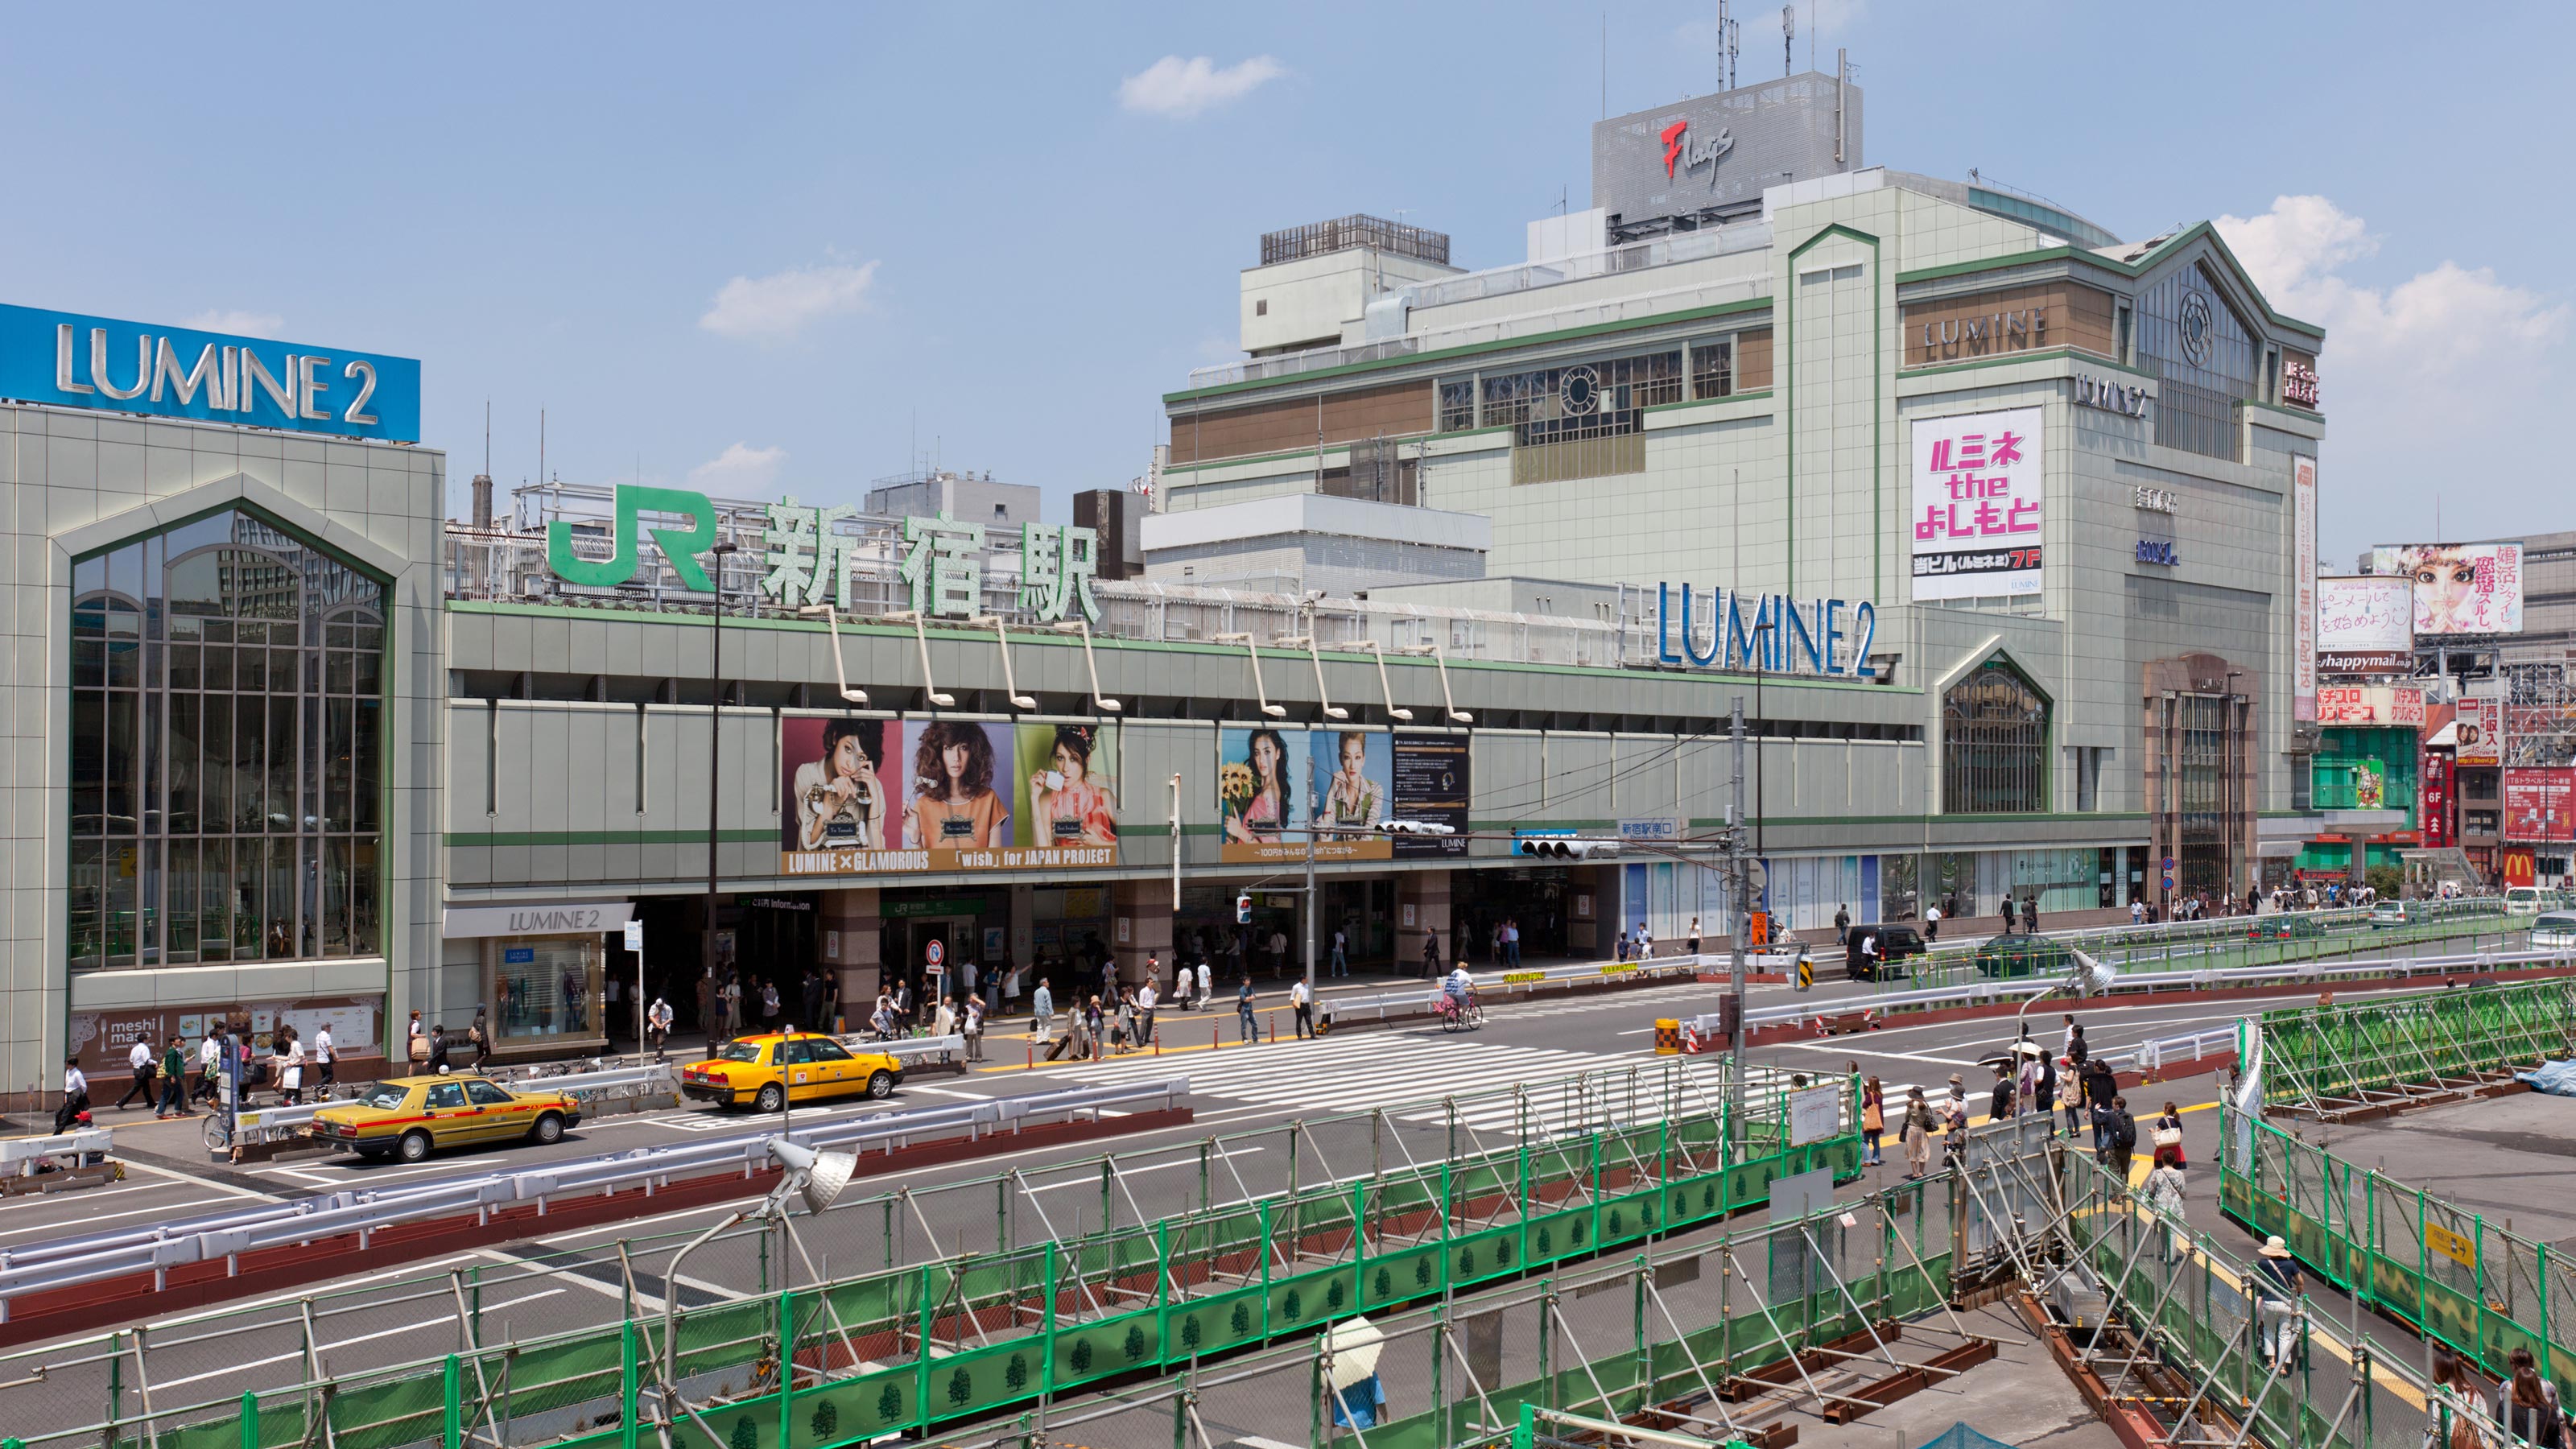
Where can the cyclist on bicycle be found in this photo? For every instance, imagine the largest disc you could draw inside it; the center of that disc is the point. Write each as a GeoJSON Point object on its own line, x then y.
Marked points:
{"type": "Point", "coordinates": [1458, 991]}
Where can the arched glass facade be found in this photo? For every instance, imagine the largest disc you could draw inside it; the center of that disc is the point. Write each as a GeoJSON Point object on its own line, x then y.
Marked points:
{"type": "Point", "coordinates": [1994, 744]}
{"type": "Point", "coordinates": [227, 780]}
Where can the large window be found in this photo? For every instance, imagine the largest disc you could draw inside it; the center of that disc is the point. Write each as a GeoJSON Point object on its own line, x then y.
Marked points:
{"type": "Point", "coordinates": [1994, 744]}
{"type": "Point", "coordinates": [227, 748]}
{"type": "Point", "coordinates": [1584, 420]}
{"type": "Point", "coordinates": [2203, 358]}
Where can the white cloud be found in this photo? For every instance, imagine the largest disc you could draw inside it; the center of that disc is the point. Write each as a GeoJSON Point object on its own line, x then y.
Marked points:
{"type": "Point", "coordinates": [780, 305]}
{"type": "Point", "coordinates": [1179, 89]}
{"type": "Point", "coordinates": [2441, 321]}
{"type": "Point", "coordinates": [739, 468]}
{"type": "Point", "coordinates": [2429, 381]}
{"type": "Point", "coordinates": [240, 324]}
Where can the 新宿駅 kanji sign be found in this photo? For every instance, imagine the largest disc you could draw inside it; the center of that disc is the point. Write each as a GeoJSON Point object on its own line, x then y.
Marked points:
{"type": "Point", "coordinates": [808, 561]}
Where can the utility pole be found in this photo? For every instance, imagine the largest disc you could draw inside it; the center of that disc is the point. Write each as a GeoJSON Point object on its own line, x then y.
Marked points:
{"type": "Point", "coordinates": [1314, 907]}
{"type": "Point", "coordinates": [1735, 1094]}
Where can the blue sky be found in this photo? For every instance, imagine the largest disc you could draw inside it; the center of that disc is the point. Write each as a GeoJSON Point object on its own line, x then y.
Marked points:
{"type": "Point", "coordinates": [752, 247]}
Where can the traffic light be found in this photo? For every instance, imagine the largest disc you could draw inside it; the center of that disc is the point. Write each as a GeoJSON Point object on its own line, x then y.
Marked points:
{"type": "Point", "coordinates": [1565, 847]}
{"type": "Point", "coordinates": [1243, 910]}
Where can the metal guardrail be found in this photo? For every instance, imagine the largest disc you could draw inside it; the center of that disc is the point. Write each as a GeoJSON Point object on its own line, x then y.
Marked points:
{"type": "Point", "coordinates": [911, 1051]}
{"type": "Point", "coordinates": [19, 1155]}
{"type": "Point", "coordinates": [1494, 987]}
{"type": "Point", "coordinates": [69, 1262]}
{"type": "Point", "coordinates": [1991, 991]}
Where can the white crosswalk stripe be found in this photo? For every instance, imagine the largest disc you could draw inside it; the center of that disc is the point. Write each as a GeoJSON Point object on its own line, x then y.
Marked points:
{"type": "Point", "coordinates": [1388, 1069]}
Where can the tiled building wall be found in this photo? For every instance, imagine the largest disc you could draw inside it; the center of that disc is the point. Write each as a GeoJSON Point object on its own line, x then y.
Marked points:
{"type": "Point", "coordinates": [75, 483]}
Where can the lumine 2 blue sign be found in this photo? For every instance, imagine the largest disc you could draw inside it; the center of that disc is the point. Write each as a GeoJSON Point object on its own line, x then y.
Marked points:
{"type": "Point", "coordinates": [1779, 635]}
{"type": "Point", "coordinates": [67, 360]}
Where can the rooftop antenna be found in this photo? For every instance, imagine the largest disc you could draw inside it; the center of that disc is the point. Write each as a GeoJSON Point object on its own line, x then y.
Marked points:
{"type": "Point", "coordinates": [1729, 35]}
{"type": "Point", "coordinates": [1788, 34]}
{"type": "Point", "coordinates": [1605, 64]}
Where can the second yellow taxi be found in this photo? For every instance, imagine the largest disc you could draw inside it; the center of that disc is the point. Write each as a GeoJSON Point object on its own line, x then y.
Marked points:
{"type": "Point", "coordinates": [767, 1072]}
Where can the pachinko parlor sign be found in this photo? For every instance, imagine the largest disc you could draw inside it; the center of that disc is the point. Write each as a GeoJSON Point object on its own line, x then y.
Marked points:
{"type": "Point", "coordinates": [1722, 628]}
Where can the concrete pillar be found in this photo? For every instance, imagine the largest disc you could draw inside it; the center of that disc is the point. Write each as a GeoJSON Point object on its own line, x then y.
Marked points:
{"type": "Point", "coordinates": [848, 930]}
{"type": "Point", "coordinates": [1422, 913]}
{"type": "Point", "coordinates": [1142, 926]}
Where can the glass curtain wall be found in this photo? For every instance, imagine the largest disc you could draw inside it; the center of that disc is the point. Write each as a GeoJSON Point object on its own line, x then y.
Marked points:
{"type": "Point", "coordinates": [227, 750]}
{"type": "Point", "coordinates": [1994, 744]}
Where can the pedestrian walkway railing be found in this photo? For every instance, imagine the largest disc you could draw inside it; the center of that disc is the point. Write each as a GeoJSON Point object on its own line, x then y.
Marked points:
{"type": "Point", "coordinates": [2324, 974]}
{"type": "Point", "coordinates": [2215, 945]}
{"type": "Point", "coordinates": [2323, 1060]}
{"type": "Point", "coordinates": [2197, 1344]}
{"type": "Point", "coordinates": [993, 1293]}
{"type": "Point", "coordinates": [275, 1124]}
{"type": "Point", "coordinates": [1498, 988]}
{"type": "Point", "coordinates": [2448, 1271]}
{"type": "Point", "coordinates": [67, 1262]}
{"type": "Point", "coordinates": [1661, 1335]}
{"type": "Point", "coordinates": [26, 1156]}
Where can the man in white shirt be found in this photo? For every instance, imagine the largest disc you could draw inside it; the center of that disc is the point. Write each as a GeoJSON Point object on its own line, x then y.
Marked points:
{"type": "Point", "coordinates": [210, 1056]}
{"type": "Point", "coordinates": [657, 1024]}
{"type": "Point", "coordinates": [1207, 985]}
{"type": "Point", "coordinates": [326, 1062]}
{"type": "Point", "coordinates": [1146, 1000]}
{"type": "Point", "coordinates": [140, 1062]}
{"type": "Point", "coordinates": [1931, 923]}
{"type": "Point", "coordinates": [75, 1096]}
{"type": "Point", "coordinates": [1304, 1001]}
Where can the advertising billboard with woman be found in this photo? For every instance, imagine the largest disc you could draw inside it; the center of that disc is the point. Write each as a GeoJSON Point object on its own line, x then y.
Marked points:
{"type": "Point", "coordinates": [844, 785]}
{"type": "Point", "coordinates": [1067, 782]}
{"type": "Point", "coordinates": [862, 796]}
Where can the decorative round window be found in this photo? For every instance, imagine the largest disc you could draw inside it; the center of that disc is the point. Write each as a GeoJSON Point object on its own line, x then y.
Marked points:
{"type": "Point", "coordinates": [2199, 327]}
{"type": "Point", "coordinates": [1579, 389]}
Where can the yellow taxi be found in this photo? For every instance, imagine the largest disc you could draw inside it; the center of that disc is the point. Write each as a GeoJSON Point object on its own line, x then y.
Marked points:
{"type": "Point", "coordinates": [766, 1072]}
{"type": "Point", "coordinates": [415, 1116]}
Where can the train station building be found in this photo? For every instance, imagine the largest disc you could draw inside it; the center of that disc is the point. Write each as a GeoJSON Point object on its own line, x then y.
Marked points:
{"type": "Point", "coordinates": [1992, 522]}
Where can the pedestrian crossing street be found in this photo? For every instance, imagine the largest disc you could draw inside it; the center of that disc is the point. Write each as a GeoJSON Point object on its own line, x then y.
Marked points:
{"type": "Point", "coordinates": [1393, 1069]}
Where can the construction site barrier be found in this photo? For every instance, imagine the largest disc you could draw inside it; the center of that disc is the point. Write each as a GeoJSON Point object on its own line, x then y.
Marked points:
{"type": "Point", "coordinates": [2364, 1055]}
{"type": "Point", "coordinates": [953, 1339]}
{"type": "Point", "coordinates": [2447, 1271]}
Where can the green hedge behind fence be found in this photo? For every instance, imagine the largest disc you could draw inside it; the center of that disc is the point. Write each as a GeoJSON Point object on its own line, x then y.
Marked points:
{"type": "Point", "coordinates": [2450, 1273]}
{"type": "Point", "coordinates": [924, 1362]}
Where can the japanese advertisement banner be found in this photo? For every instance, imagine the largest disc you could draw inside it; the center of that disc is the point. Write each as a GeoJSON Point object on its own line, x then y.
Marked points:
{"type": "Point", "coordinates": [2433, 800]}
{"type": "Point", "coordinates": [2303, 580]}
{"type": "Point", "coordinates": [1273, 785]}
{"type": "Point", "coordinates": [2540, 805]}
{"type": "Point", "coordinates": [1979, 484]}
{"type": "Point", "coordinates": [2365, 626]}
{"type": "Point", "coordinates": [2460, 588]}
{"type": "Point", "coordinates": [2481, 732]}
{"type": "Point", "coordinates": [871, 795]}
{"type": "Point", "coordinates": [2370, 704]}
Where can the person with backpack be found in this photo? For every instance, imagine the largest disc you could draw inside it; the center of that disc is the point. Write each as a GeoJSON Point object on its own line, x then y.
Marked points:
{"type": "Point", "coordinates": [2455, 1411]}
{"type": "Point", "coordinates": [174, 1079]}
{"type": "Point", "coordinates": [2100, 1087]}
{"type": "Point", "coordinates": [2526, 1405]}
{"type": "Point", "coordinates": [2119, 1134]}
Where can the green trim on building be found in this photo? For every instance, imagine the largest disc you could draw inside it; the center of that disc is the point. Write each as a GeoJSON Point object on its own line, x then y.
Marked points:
{"type": "Point", "coordinates": [1472, 349]}
{"type": "Point", "coordinates": [1785, 344]}
{"type": "Point", "coordinates": [2117, 267]}
{"type": "Point", "coordinates": [1259, 458]}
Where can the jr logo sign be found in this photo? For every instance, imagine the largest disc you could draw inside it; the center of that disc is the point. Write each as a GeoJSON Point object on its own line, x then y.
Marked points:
{"type": "Point", "coordinates": [680, 546]}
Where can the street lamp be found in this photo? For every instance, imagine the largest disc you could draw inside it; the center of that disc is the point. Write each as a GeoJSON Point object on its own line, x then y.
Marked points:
{"type": "Point", "coordinates": [723, 550]}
